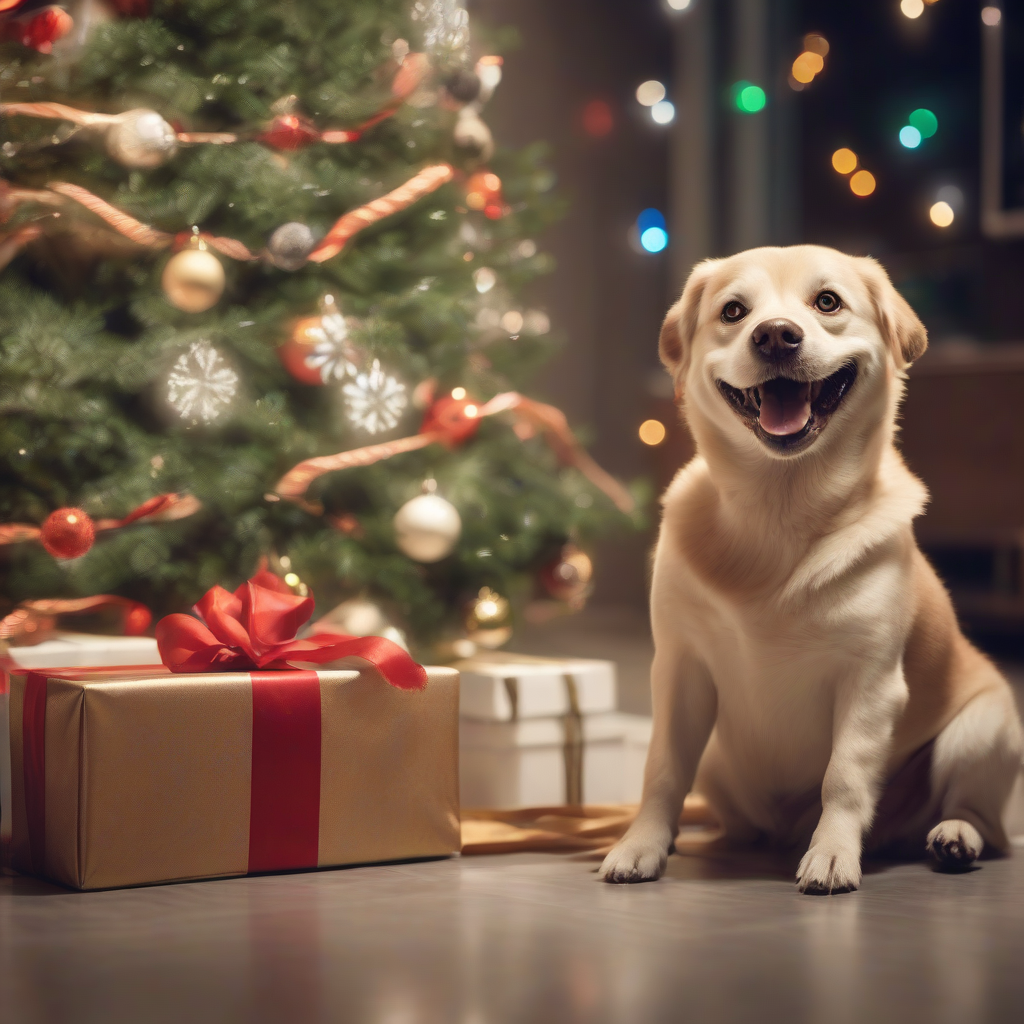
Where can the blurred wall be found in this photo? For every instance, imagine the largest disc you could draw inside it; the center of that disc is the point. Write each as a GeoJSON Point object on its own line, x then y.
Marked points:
{"type": "Point", "coordinates": [605, 299]}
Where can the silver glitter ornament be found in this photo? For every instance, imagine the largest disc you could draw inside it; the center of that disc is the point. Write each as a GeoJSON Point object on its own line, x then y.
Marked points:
{"type": "Point", "coordinates": [290, 245]}
{"type": "Point", "coordinates": [141, 138]}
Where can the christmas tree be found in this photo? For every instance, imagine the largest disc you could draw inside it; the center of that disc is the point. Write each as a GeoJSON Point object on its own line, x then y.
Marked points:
{"type": "Point", "coordinates": [240, 235]}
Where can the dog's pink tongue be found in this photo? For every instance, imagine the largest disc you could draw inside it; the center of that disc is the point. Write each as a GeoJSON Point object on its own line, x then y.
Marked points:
{"type": "Point", "coordinates": [785, 407]}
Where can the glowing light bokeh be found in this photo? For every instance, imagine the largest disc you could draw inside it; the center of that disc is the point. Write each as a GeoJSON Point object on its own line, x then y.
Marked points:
{"type": "Point", "coordinates": [924, 121]}
{"type": "Point", "coordinates": [912, 8]}
{"type": "Point", "coordinates": [910, 137]}
{"type": "Point", "coordinates": [844, 161]}
{"type": "Point", "coordinates": [652, 432]}
{"type": "Point", "coordinates": [598, 120]}
{"type": "Point", "coordinates": [862, 183]}
{"type": "Point", "coordinates": [663, 112]}
{"type": "Point", "coordinates": [654, 239]}
{"type": "Point", "coordinates": [650, 92]}
{"type": "Point", "coordinates": [749, 98]}
{"type": "Point", "coordinates": [941, 214]}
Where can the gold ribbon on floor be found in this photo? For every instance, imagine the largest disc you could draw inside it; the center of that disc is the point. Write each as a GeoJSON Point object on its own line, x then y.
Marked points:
{"type": "Point", "coordinates": [594, 828]}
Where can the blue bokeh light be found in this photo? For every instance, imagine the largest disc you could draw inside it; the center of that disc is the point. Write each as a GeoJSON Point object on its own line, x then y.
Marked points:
{"type": "Point", "coordinates": [654, 239]}
{"type": "Point", "coordinates": [910, 136]}
{"type": "Point", "coordinates": [650, 218]}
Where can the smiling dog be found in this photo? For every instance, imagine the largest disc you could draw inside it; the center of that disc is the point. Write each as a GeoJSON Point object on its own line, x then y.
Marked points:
{"type": "Point", "coordinates": [809, 677]}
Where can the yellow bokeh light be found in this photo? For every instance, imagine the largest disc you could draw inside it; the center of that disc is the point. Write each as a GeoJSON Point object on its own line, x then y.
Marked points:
{"type": "Point", "coordinates": [844, 160]}
{"type": "Point", "coordinates": [912, 8]}
{"type": "Point", "coordinates": [816, 44]}
{"type": "Point", "coordinates": [652, 432]}
{"type": "Point", "coordinates": [291, 579]}
{"type": "Point", "coordinates": [862, 183]}
{"type": "Point", "coordinates": [802, 71]}
{"type": "Point", "coordinates": [471, 412]}
{"type": "Point", "coordinates": [458, 394]}
{"type": "Point", "coordinates": [941, 214]}
{"type": "Point", "coordinates": [476, 200]}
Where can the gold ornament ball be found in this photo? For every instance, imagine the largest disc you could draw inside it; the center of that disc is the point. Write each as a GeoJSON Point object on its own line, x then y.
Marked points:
{"type": "Point", "coordinates": [141, 138]}
{"type": "Point", "coordinates": [487, 623]}
{"type": "Point", "coordinates": [427, 528]}
{"type": "Point", "coordinates": [569, 575]}
{"type": "Point", "coordinates": [193, 280]}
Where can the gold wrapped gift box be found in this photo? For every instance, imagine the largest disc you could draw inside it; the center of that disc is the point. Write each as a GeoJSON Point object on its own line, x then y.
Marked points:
{"type": "Point", "coordinates": [126, 777]}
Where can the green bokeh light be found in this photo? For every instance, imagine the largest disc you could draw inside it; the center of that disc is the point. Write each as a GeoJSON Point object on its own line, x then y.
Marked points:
{"type": "Point", "coordinates": [749, 98]}
{"type": "Point", "coordinates": [924, 121]}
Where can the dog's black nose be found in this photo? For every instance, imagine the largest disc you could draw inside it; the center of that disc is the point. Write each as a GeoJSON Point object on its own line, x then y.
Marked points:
{"type": "Point", "coordinates": [776, 339]}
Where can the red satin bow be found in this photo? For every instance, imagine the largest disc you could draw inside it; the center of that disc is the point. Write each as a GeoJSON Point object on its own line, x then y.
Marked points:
{"type": "Point", "coordinates": [255, 627]}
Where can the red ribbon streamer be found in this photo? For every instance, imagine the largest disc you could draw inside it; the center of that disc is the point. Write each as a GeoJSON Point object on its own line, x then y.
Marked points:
{"type": "Point", "coordinates": [452, 421]}
{"type": "Point", "coordinates": [39, 616]}
{"type": "Point", "coordinates": [256, 627]}
{"type": "Point", "coordinates": [33, 740]}
{"type": "Point", "coordinates": [160, 508]}
{"type": "Point", "coordinates": [284, 814]}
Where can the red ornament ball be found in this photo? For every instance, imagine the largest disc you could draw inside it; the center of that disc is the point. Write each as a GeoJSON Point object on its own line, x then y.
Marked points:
{"type": "Point", "coordinates": [290, 132]}
{"type": "Point", "coordinates": [136, 620]}
{"type": "Point", "coordinates": [46, 28]}
{"type": "Point", "coordinates": [67, 533]}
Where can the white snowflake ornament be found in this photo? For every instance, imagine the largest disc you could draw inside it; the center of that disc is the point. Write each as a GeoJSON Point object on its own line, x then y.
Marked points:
{"type": "Point", "coordinates": [375, 401]}
{"type": "Point", "coordinates": [332, 351]}
{"type": "Point", "coordinates": [201, 385]}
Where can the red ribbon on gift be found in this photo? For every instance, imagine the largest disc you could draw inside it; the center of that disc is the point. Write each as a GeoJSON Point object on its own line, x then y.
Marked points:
{"type": "Point", "coordinates": [256, 627]}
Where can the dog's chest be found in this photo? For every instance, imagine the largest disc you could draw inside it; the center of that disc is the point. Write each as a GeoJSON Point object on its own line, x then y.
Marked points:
{"type": "Point", "coordinates": [777, 663]}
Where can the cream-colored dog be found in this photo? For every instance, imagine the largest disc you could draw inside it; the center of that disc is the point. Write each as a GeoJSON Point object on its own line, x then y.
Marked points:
{"type": "Point", "coordinates": [808, 665]}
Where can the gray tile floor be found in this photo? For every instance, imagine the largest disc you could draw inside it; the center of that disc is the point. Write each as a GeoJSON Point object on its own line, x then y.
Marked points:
{"type": "Point", "coordinates": [526, 937]}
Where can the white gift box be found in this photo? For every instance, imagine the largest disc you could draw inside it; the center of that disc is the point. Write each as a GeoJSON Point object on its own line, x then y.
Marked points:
{"type": "Point", "coordinates": [502, 687]}
{"type": "Point", "coordinates": [532, 762]}
{"type": "Point", "coordinates": [66, 650]}
{"type": "Point", "coordinates": [75, 650]}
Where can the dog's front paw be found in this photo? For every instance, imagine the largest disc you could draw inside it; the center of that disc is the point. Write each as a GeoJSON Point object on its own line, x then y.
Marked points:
{"type": "Point", "coordinates": [826, 871]}
{"type": "Point", "coordinates": [635, 859]}
{"type": "Point", "coordinates": [955, 844]}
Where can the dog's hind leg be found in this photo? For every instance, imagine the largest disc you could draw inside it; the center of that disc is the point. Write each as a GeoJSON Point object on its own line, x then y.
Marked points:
{"type": "Point", "coordinates": [975, 762]}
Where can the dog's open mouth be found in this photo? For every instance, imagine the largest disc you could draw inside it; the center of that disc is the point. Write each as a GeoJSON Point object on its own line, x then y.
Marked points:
{"type": "Point", "coordinates": [788, 414]}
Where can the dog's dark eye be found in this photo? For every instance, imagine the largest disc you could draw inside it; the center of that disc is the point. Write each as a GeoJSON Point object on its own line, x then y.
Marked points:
{"type": "Point", "coordinates": [733, 312]}
{"type": "Point", "coordinates": [827, 302]}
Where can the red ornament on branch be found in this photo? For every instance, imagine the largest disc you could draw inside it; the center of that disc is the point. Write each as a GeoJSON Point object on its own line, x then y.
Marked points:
{"type": "Point", "coordinates": [290, 132]}
{"type": "Point", "coordinates": [41, 30]}
{"type": "Point", "coordinates": [67, 533]}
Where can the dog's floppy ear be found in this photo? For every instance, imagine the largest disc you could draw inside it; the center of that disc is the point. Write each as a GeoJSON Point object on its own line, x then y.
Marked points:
{"type": "Point", "coordinates": [904, 333]}
{"type": "Point", "coordinates": [681, 324]}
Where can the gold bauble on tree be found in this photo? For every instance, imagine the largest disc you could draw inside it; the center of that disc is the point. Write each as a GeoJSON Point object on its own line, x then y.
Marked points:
{"type": "Point", "coordinates": [193, 279]}
{"type": "Point", "coordinates": [569, 576]}
{"type": "Point", "coordinates": [488, 621]}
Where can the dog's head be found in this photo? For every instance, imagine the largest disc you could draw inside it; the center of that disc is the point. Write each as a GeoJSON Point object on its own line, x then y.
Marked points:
{"type": "Point", "coordinates": [776, 349]}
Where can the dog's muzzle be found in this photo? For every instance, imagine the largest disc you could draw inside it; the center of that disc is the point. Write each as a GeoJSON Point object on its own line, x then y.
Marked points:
{"type": "Point", "coordinates": [786, 414]}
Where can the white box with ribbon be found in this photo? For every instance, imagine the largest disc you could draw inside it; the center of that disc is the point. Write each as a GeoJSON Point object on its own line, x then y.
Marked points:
{"type": "Point", "coordinates": [503, 687]}
{"type": "Point", "coordinates": [538, 762]}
